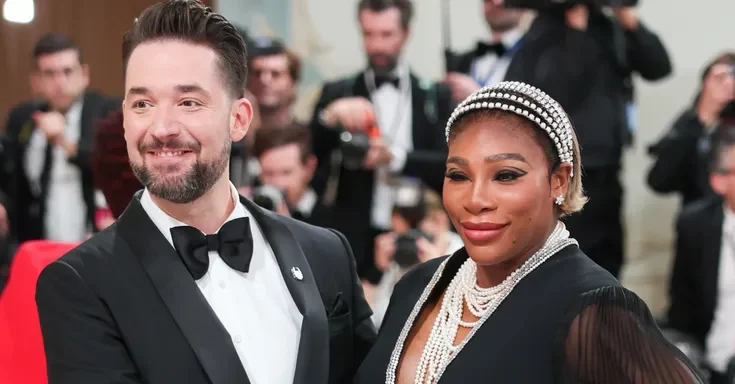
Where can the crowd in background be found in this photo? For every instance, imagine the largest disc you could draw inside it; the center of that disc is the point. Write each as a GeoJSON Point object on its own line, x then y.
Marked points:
{"type": "Point", "coordinates": [370, 162]}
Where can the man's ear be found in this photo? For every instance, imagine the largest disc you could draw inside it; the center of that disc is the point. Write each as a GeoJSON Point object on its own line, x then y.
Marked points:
{"type": "Point", "coordinates": [240, 119]}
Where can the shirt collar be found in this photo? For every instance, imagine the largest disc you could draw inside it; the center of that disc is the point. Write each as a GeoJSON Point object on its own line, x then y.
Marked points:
{"type": "Point", "coordinates": [307, 203]}
{"type": "Point", "coordinates": [164, 222]}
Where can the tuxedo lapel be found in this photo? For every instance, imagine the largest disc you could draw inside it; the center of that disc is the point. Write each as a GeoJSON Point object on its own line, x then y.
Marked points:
{"type": "Point", "coordinates": [312, 365]}
{"type": "Point", "coordinates": [208, 338]}
{"type": "Point", "coordinates": [710, 262]}
{"type": "Point", "coordinates": [420, 124]}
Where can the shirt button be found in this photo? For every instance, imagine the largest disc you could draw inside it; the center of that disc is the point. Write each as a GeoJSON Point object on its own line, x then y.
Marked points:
{"type": "Point", "coordinates": [238, 339]}
{"type": "Point", "coordinates": [222, 284]}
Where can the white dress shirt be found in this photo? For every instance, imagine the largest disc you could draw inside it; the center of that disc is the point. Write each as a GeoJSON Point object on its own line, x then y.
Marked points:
{"type": "Point", "coordinates": [255, 308]}
{"type": "Point", "coordinates": [720, 343]}
{"type": "Point", "coordinates": [490, 69]}
{"type": "Point", "coordinates": [394, 109]}
{"type": "Point", "coordinates": [65, 218]}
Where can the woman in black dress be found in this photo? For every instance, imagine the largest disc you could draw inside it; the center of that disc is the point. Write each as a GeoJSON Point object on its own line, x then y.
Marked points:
{"type": "Point", "coordinates": [520, 304]}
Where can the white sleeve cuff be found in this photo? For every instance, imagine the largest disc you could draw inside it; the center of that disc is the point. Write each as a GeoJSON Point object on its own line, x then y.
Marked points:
{"type": "Point", "coordinates": [398, 161]}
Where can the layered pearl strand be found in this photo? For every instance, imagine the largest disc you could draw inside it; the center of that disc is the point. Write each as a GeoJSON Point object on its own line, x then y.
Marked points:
{"type": "Point", "coordinates": [463, 290]}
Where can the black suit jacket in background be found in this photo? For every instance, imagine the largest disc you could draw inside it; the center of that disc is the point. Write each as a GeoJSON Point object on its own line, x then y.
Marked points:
{"type": "Point", "coordinates": [588, 74]}
{"type": "Point", "coordinates": [122, 308]}
{"type": "Point", "coordinates": [354, 197]}
{"type": "Point", "coordinates": [694, 278]}
{"type": "Point", "coordinates": [27, 207]}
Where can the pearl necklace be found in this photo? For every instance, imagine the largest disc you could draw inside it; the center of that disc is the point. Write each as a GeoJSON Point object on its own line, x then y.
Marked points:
{"type": "Point", "coordinates": [440, 349]}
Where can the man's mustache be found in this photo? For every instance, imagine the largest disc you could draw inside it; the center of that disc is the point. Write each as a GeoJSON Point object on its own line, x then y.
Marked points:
{"type": "Point", "coordinates": [157, 145]}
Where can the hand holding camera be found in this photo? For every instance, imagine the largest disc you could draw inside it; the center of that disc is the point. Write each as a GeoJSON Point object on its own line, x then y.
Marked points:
{"type": "Point", "coordinates": [354, 114]}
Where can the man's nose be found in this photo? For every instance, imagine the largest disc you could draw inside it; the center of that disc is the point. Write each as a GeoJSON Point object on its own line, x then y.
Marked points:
{"type": "Point", "coordinates": [164, 125]}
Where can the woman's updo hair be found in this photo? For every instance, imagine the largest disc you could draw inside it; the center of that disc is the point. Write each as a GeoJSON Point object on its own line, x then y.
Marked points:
{"type": "Point", "coordinates": [555, 132]}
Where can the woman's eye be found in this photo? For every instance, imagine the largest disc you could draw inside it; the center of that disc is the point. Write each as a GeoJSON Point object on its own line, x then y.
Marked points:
{"type": "Point", "coordinates": [455, 176]}
{"type": "Point", "coordinates": [505, 176]}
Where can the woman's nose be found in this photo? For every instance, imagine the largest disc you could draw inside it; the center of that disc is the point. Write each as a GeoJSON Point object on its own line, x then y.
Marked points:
{"type": "Point", "coordinates": [480, 199]}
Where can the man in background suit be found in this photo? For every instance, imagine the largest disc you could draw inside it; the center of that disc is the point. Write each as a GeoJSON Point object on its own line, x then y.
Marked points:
{"type": "Point", "coordinates": [48, 180]}
{"type": "Point", "coordinates": [702, 288]}
{"type": "Point", "coordinates": [193, 283]}
{"type": "Point", "coordinates": [410, 115]}
{"type": "Point", "coordinates": [288, 164]}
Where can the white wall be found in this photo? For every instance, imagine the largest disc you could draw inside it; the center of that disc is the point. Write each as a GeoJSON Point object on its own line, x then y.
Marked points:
{"type": "Point", "coordinates": [325, 33]}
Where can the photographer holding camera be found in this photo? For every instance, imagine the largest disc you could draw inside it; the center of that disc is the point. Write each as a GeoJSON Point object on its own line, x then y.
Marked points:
{"type": "Point", "coordinates": [287, 166]}
{"type": "Point", "coordinates": [375, 127]}
{"type": "Point", "coordinates": [583, 54]}
{"type": "Point", "coordinates": [421, 232]}
{"type": "Point", "coordinates": [681, 154]}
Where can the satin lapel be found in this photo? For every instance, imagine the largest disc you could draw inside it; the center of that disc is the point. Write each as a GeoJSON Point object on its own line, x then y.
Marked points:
{"type": "Point", "coordinates": [199, 324]}
{"type": "Point", "coordinates": [312, 365]}
{"type": "Point", "coordinates": [419, 120]}
{"type": "Point", "coordinates": [711, 255]}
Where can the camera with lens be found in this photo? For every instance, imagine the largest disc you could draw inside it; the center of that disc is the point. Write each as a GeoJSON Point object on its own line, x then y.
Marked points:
{"type": "Point", "coordinates": [411, 208]}
{"type": "Point", "coordinates": [268, 197]}
{"type": "Point", "coordinates": [563, 4]}
{"type": "Point", "coordinates": [407, 253]}
{"type": "Point", "coordinates": [354, 146]}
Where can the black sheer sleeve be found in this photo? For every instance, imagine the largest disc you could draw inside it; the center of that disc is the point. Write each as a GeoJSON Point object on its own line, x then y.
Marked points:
{"type": "Point", "coordinates": [610, 337]}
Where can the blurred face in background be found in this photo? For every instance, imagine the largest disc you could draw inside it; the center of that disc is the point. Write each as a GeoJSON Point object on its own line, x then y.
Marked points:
{"type": "Point", "coordinates": [270, 81]}
{"type": "Point", "coordinates": [500, 19]}
{"type": "Point", "coordinates": [723, 179]}
{"type": "Point", "coordinates": [60, 78]}
{"type": "Point", "coordinates": [719, 84]}
{"type": "Point", "coordinates": [383, 38]}
{"type": "Point", "coordinates": [286, 169]}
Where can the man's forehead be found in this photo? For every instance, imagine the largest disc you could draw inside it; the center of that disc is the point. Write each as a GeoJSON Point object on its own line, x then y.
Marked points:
{"type": "Point", "coordinates": [170, 64]}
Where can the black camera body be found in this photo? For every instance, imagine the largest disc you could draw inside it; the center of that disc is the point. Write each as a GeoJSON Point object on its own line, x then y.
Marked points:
{"type": "Point", "coordinates": [556, 4]}
{"type": "Point", "coordinates": [268, 197]}
{"type": "Point", "coordinates": [407, 254]}
{"type": "Point", "coordinates": [355, 147]}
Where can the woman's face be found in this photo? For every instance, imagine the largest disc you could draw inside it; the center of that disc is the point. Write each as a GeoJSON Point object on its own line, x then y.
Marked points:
{"type": "Point", "coordinates": [497, 189]}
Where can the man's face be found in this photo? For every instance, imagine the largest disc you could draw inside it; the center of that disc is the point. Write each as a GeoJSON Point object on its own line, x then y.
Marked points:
{"type": "Point", "coordinates": [180, 119]}
{"type": "Point", "coordinates": [284, 168]}
{"type": "Point", "coordinates": [60, 78]}
{"type": "Point", "coordinates": [383, 38]}
{"type": "Point", "coordinates": [270, 81]}
{"type": "Point", "coordinates": [500, 19]}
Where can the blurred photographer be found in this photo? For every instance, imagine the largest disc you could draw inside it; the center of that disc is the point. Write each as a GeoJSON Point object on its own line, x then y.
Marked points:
{"type": "Point", "coordinates": [681, 155]}
{"type": "Point", "coordinates": [287, 167]}
{"type": "Point", "coordinates": [583, 54]}
{"type": "Point", "coordinates": [375, 127]}
{"type": "Point", "coordinates": [421, 232]}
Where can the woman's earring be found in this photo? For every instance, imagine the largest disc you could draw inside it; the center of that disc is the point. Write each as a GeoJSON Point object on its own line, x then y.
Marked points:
{"type": "Point", "coordinates": [559, 200]}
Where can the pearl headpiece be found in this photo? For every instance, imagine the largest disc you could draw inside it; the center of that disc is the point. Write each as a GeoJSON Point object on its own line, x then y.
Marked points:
{"type": "Point", "coordinates": [528, 102]}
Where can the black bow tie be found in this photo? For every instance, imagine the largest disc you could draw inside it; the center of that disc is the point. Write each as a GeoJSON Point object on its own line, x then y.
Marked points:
{"type": "Point", "coordinates": [383, 79]}
{"type": "Point", "coordinates": [485, 48]}
{"type": "Point", "coordinates": [233, 242]}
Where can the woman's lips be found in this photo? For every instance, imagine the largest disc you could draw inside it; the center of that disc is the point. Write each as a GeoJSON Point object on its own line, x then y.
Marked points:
{"type": "Point", "coordinates": [482, 231]}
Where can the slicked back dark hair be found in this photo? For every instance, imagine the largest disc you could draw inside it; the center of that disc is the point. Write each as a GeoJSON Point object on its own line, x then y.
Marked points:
{"type": "Point", "coordinates": [191, 21]}
{"type": "Point", "coordinates": [52, 43]}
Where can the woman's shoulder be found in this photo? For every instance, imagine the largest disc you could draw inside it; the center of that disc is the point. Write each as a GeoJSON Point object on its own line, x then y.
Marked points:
{"type": "Point", "coordinates": [572, 269]}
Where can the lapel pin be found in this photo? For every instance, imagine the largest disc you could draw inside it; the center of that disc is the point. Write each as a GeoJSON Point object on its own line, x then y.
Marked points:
{"type": "Point", "coordinates": [296, 273]}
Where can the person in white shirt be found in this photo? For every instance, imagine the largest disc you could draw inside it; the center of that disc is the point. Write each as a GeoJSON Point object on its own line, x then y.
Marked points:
{"type": "Point", "coordinates": [193, 283]}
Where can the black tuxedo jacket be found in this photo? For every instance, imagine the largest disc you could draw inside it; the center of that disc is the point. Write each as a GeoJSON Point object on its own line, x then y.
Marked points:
{"type": "Point", "coordinates": [694, 279]}
{"type": "Point", "coordinates": [27, 207]}
{"type": "Point", "coordinates": [122, 308]}
{"type": "Point", "coordinates": [431, 106]}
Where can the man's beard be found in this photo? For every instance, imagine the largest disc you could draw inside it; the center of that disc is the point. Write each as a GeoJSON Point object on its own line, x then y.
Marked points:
{"type": "Point", "coordinates": [188, 187]}
{"type": "Point", "coordinates": [391, 62]}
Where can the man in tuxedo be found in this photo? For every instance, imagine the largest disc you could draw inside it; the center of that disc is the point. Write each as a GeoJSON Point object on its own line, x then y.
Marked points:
{"type": "Point", "coordinates": [47, 178]}
{"type": "Point", "coordinates": [702, 288]}
{"type": "Point", "coordinates": [487, 63]}
{"type": "Point", "coordinates": [409, 114]}
{"type": "Point", "coordinates": [288, 163]}
{"type": "Point", "coordinates": [194, 284]}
